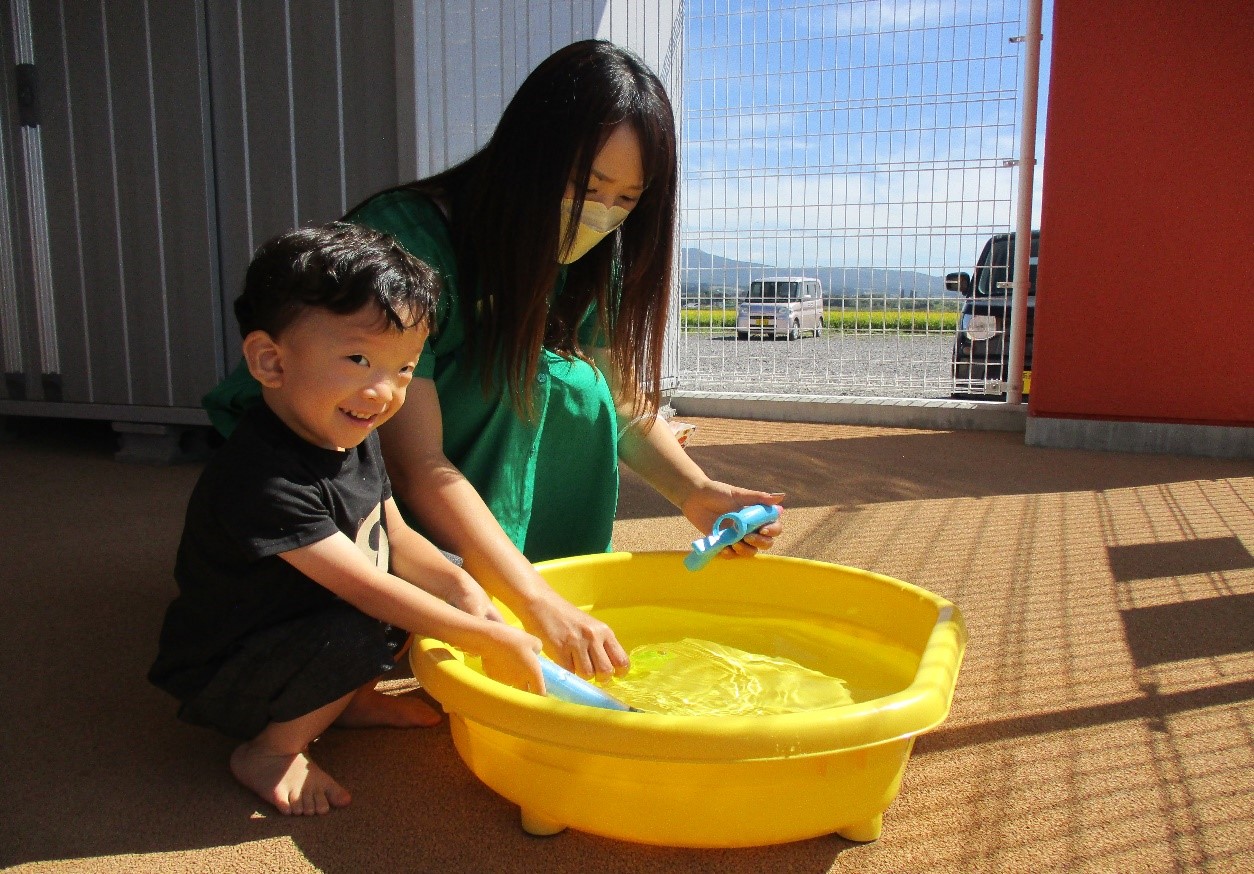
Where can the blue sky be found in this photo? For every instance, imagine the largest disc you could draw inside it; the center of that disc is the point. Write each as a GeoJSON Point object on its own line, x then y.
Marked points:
{"type": "Point", "coordinates": [852, 133]}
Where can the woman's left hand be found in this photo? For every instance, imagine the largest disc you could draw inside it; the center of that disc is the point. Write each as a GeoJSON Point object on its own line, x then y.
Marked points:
{"type": "Point", "coordinates": [705, 504]}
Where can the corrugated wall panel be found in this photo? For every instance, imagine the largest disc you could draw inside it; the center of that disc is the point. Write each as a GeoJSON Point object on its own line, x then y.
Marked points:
{"type": "Point", "coordinates": [315, 107]}
{"type": "Point", "coordinates": [304, 120]}
{"type": "Point", "coordinates": [137, 168]}
{"type": "Point", "coordinates": [370, 98]}
{"type": "Point", "coordinates": [129, 246]}
{"type": "Point", "coordinates": [10, 319]}
{"type": "Point", "coordinates": [188, 235]}
{"type": "Point", "coordinates": [487, 34]}
{"type": "Point", "coordinates": [90, 143]}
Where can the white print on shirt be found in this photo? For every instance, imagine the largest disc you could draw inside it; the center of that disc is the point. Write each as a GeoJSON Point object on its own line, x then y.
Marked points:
{"type": "Point", "coordinates": [372, 539]}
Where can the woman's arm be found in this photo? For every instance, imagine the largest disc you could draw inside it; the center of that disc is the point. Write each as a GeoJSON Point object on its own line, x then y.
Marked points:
{"type": "Point", "coordinates": [455, 517]}
{"type": "Point", "coordinates": [655, 454]}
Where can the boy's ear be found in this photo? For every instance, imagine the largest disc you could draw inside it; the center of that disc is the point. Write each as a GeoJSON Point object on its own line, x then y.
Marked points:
{"type": "Point", "coordinates": [265, 358]}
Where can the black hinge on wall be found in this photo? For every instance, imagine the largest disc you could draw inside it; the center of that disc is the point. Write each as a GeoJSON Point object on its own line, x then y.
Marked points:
{"type": "Point", "coordinates": [28, 95]}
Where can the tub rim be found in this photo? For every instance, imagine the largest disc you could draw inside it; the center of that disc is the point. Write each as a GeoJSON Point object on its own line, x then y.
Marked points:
{"type": "Point", "coordinates": [919, 707]}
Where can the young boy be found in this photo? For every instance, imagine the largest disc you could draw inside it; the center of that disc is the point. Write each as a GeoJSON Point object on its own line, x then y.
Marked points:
{"type": "Point", "coordinates": [298, 579]}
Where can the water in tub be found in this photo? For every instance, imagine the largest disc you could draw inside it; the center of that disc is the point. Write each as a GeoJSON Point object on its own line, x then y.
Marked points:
{"type": "Point", "coordinates": [707, 660]}
{"type": "Point", "coordinates": [693, 677]}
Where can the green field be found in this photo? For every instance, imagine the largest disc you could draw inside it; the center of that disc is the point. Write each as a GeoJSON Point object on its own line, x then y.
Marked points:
{"type": "Point", "coordinates": [878, 321]}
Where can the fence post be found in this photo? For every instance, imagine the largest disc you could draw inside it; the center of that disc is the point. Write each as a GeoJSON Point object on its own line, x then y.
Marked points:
{"type": "Point", "coordinates": [1023, 217]}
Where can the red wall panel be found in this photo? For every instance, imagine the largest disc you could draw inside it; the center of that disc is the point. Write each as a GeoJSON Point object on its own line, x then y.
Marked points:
{"type": "Point", "coordinates": [1147, 228]}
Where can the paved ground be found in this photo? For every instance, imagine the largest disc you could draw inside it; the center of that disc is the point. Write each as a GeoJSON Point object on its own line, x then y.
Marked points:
{"type": "Point", "coordinates": [1103, 719]}
{"type": "Point", "coordinates": [855, 365]}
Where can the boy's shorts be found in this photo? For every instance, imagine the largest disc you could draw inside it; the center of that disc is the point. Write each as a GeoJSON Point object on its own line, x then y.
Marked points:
{"type": "Point", "coordinates": [294, 668]}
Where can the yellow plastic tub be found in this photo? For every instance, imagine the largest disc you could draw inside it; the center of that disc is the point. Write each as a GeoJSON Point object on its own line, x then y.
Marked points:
{"type": "Point", "coordinates": [717, 781]}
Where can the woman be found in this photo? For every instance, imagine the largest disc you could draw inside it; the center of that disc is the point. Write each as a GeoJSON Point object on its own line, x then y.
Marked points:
{"type": "Point", "coordinates": [554, 244]}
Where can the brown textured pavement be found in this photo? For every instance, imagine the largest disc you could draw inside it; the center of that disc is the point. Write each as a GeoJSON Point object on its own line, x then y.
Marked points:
{"type": "Point", "coordinates": [1103, 721]}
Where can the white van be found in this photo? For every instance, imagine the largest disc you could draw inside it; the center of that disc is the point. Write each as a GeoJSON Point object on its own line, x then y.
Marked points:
{"type": "Point", "coordinates": [781, 306]}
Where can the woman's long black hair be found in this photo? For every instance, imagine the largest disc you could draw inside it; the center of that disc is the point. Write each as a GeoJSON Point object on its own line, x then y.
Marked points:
{"type": "Point", "coordinates": [504, 209]}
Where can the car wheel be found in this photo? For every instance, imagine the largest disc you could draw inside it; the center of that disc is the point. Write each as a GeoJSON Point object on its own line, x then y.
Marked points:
{"type": "Point", "coordinates": [742, 335]}
{"type": "Point", "coordinates": [818, 327]}
{"type": "Point", "coordinates": [794, 332]}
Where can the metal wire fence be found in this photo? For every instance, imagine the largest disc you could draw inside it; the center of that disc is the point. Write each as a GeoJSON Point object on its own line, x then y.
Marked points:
{"type": "Point", "coordinates": [867, 144]}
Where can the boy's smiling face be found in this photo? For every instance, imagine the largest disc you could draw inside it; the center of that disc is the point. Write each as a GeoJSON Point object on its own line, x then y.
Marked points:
{"type": "Point", "coordinates": [334, 378]}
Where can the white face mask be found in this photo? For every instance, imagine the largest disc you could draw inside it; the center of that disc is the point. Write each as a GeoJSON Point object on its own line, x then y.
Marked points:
{"type": "Point", "coordinates": [596, 222]}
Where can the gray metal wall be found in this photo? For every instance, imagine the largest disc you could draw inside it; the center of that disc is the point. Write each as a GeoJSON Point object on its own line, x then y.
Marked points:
{"type": "Point", "coordinates": [173, 136]}
{"type": "Point", "coordinates": [304, 118]}
{"type": "Point", "coordinates": [110, 292]}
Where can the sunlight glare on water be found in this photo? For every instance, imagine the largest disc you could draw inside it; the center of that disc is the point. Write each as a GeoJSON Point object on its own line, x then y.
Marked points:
{"type": "Point", "coordinates": [692, 677]}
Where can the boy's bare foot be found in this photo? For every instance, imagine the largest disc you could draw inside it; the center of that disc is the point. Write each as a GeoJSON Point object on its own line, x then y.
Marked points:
{"type": "Point", "coordinates": [370, 708]}
{"type": "Point", "coordinates": [292, 783]}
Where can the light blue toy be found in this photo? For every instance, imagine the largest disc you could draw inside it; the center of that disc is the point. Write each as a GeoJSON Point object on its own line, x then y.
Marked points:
{"type": "Point", "coordinates": [743, 521]}
{"type": "Point", "coordinates": [563, 685]}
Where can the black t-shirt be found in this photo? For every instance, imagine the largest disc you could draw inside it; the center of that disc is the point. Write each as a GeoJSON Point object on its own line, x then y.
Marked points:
{"type": "Point", "coordinates": [265, 491]}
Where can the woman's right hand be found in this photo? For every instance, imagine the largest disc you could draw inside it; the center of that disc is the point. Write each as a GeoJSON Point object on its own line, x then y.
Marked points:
{"type": "Point", "coordinates": [577, 641]}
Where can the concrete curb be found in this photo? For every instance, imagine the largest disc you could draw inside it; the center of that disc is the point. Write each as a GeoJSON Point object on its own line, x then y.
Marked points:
{"type": "Point", "coordinates": [1213, 441]}
{"type": "Point", "coordinates": [924, 413]}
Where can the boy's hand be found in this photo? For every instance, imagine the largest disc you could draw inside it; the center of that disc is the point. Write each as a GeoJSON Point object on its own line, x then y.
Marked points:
{"type": "Point", "coordinates": [511, 655]}
{"type": "Point", "coordinates": [577, 641]}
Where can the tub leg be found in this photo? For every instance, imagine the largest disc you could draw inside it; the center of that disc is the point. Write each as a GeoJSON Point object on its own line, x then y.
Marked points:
{"type": "Point", "coordinates": [864, 832]}
{"type": "Point", "coordinates": [540, 825]}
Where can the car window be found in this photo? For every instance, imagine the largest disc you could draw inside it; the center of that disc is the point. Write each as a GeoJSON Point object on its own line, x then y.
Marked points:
{"type": "Point", "coordinates": [993, 267]}
{"type": "Point", "coordinates": [996, 265]}
{"type": "Point", "coordinates": [761, 291]}
{"type": "Point", "coordinates": [771, 292]}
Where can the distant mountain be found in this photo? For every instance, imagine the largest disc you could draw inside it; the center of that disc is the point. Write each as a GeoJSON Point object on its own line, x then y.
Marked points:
{"type": "Point", "coordinates": [700, 270]}
{"type": "Point", "coordinates": [697, 259]}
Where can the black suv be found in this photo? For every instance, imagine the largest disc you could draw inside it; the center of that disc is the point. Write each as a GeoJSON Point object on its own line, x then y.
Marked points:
{"type": "Point", "coordinates": [982, 346]}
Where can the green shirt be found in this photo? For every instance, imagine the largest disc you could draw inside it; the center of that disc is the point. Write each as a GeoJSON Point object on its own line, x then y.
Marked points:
{"type": "Point", "coordinates": [552, 483]}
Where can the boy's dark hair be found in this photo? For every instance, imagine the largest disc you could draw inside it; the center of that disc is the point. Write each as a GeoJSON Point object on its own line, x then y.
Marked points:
{"type": "Point", "coordinates": [340, 267]}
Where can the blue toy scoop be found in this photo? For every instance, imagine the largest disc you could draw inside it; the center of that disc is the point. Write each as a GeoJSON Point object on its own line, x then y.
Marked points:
{"type": "Point", "coordinates": [728, 529]}
{"type": "Point", "coordinates": [574, 689]}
